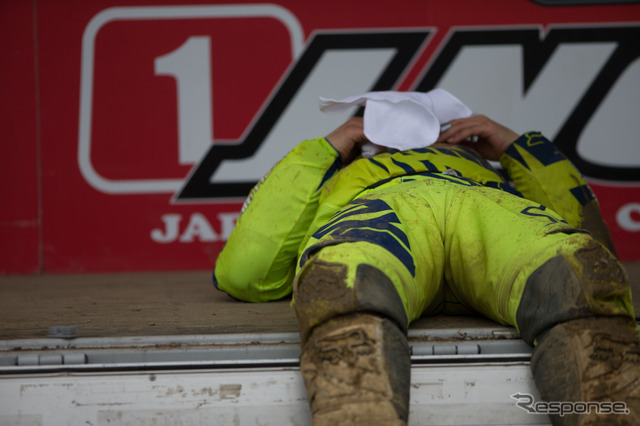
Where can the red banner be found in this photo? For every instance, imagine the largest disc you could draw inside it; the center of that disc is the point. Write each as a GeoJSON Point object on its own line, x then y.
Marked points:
{"type": "Point", "coordinates": [134, 132]}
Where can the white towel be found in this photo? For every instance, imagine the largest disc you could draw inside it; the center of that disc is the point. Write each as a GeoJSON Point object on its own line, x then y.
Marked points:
{"type": "Point", "coordinates": [402, 120]}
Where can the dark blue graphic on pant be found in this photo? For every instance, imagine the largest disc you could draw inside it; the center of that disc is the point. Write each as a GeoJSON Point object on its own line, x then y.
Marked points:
{"type": "Point", "coordinates": [538, 212]}
{"type": "Point", "coordinates": [348, 225]}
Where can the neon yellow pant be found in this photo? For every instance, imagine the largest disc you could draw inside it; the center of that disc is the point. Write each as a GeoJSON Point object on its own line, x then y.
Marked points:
{"type": "Point", "coordinates": [449, 245]}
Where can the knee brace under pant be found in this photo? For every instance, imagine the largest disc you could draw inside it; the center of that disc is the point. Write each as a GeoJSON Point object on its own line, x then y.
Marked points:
{"type": "Point", "coordinates": [588, 282]}
{"type": "Point", "coordinates": [321, 292]}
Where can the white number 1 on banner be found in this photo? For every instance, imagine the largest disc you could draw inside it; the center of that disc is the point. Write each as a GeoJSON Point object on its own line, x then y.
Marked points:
{"type": "Point", "coordinates": [190, 65]}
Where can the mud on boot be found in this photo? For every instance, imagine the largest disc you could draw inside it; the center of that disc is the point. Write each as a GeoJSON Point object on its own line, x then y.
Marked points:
{"type": "Point", "coordinates": [590, 360]}
{"type": "Point", "coordinates": [357, 371]}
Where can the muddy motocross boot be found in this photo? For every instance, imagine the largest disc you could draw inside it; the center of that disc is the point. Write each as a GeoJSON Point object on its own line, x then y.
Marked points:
{"type": "Point", "coordinates": [591, 360]}
{"type": "Point", "coordinates": [357, 371]}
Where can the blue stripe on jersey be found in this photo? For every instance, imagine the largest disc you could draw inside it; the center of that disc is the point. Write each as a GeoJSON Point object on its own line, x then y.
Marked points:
{"type": "Point", "coordinates": [337, 164]}
{"type": "Point", "coordinates": [404, 166]}
{"type": "Point", "coordinates": [382, 166]}
{"type": "Point", "coordinates": [583, 194]}
{"type": "Point", "coordinates": [541, 148]}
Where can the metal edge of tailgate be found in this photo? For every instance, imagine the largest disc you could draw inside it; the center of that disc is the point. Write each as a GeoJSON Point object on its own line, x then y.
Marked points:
{"type": "Point", "coordinates": [224, 351]}
{"type": "Point", "coordinates": [459, 376]}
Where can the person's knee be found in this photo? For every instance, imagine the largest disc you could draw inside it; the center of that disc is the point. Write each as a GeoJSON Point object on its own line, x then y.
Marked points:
{"type": "Point", "coordinates": [322, 291]}
{"type": "Point", "coordinates": [588, 281]}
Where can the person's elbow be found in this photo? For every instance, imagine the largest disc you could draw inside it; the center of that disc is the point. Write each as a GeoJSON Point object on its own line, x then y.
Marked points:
{"type": "Point", "coordinates": [250, 281]}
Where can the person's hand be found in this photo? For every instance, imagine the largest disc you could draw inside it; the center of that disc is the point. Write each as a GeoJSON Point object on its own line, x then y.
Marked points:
{"type": "Point", "coordinates": [347, 138]}
{"type": "Point", "coordinates": [493, 139]}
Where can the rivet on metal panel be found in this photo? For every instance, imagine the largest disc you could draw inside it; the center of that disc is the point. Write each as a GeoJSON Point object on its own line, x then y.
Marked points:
{"type": "Point", "coordinates": [75, 358]}
{"type": "Point", "coordinates": [468, 348]}
{"type": "Point", "coordinates": [444, 349]}
{"type": "Point", "coordinates": [51, 359]}
{"type": "Point", "coordinates": [28, 359]}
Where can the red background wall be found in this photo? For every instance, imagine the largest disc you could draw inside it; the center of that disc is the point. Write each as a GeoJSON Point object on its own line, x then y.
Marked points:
{"type": "Point", "coordinates": [55, 219]}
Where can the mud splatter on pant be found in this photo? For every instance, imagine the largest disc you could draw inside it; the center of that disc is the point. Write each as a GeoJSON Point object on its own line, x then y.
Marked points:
{"type": "Point", "coordinates": [441, 244]}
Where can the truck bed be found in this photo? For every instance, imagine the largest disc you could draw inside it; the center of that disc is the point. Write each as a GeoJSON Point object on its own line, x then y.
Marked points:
{"type": "Point", "coordinates": [143, 348]}
{"type": "Point", "coordinates": [158, 303]}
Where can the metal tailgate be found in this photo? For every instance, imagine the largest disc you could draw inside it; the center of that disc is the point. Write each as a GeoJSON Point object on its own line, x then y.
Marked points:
{"type": "Point", "coordinates": [459, 377]}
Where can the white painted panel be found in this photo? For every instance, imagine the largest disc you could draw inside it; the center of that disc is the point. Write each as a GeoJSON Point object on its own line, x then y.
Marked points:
{"type": "Point", "coordinates": [456, 394]}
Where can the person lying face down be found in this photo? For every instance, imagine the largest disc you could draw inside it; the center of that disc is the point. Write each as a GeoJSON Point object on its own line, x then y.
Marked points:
{"type": "Point", "coordinates": [366, 245]}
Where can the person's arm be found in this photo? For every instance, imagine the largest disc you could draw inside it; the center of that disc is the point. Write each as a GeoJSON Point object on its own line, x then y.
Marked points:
{"type": "Point", "coordinates": [258, 261]}
{"type": "Point", "coordinates": [538, 169]}
{"type": "Point", "coordinates": [544, 174]}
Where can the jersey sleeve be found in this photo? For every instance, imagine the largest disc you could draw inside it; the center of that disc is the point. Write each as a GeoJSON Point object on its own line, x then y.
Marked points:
{"type": "Point", "coordinates": [544, 174]}
{"type": "Point", "coordinates": [258, 261]}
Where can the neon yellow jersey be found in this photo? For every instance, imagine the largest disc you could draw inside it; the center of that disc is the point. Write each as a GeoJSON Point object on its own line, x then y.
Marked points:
{"type": "Point", "coordinates": [258, 261]}
{"type": "Point", "coordinates": [366, 173]}
{"type": "Point", "coordinates": [305, 189]}
{"type": "Point", "coordinates": [543, 174]}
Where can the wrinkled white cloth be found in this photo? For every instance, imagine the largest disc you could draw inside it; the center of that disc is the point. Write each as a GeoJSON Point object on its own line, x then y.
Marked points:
{"type": "Point", "coordinates": [402, 120]}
